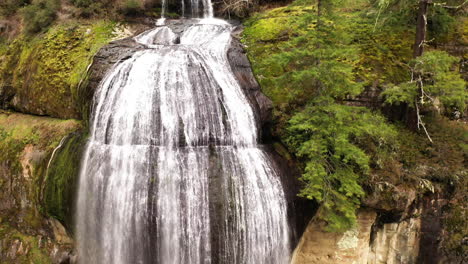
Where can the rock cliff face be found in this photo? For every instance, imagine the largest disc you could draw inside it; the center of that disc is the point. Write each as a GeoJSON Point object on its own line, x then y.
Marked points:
{"type": "Point", "coordinates": [368, 243]}
{"type": "Point", "coordinates": [318, 246]}
{"type": "Point", "coordinates": [395, 243]}
{"type": "Point", "coordinates": [28, 229]}
{"type": "Point", "coordinates": [381, 237]}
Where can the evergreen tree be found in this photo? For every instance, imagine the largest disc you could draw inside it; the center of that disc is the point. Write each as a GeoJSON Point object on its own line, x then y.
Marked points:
{"type": "Point", "coordinates": [331, 139]}
{"type": "Point", "coordinates": [432, 75]}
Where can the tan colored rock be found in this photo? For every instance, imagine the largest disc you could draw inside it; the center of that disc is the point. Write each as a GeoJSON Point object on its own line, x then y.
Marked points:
{"type": "Point", "coordinates": [29, 159]}
{"type": "Point", "coordinates": [60, 232]}
{"type": "Point", "coordinates": [396, 243]}
{"type": "Point", "coordinates": [318, 246]}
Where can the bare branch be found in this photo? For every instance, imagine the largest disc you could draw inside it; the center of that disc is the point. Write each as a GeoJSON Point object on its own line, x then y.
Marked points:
{"type": "Point", "coordinates": [444, 5]}
{"type": "Point", "coordinates": [421, 123]}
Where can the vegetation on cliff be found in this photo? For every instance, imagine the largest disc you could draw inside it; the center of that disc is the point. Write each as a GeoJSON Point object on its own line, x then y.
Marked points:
{"type": "Point", "coordinates": [25, 137]}
{"type": "Point", "coordinates": [331, 140]}
{"type": "Point", "coordinates": [29, 183]}
{"type": "Point", "coordinates": [40, 74]}
{"type": "Point", "coordinates": [315, 59]}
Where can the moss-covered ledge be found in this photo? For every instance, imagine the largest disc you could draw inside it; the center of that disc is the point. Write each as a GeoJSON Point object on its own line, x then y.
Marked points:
{"type": "Point", "coordinates": [40, 74]}
{"type": "Point", "coordinates": [35, 189]}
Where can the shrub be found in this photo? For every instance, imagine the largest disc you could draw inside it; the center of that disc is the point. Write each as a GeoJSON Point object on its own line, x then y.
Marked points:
{"type": "Point", "coordinates": [337, 144]}
{"type": "Point", "coordinates": [441, 83]}
{"type": "Point", "coordinates": [82, 3]}
{"type": "Point", "coordinates": [131, 8]}
{"type": "Point", "coordinates": [9, 7]}
{"type": "Point", "coordinates": [89, 8]}
{"type": "Point", "coordinates": [39, 15]}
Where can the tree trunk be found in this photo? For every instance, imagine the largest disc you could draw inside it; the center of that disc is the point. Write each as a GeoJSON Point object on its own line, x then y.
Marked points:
{"type": "Point", "coordinates": [421, 25]}
{"type": "Point", "coordinates": [319, 13]}
{"type": "Point", "coordinates": [418, 49]}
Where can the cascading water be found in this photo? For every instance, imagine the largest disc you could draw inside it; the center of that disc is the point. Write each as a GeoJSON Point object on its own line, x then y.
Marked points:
{"type": "Point", "coordinates": [173, 172]}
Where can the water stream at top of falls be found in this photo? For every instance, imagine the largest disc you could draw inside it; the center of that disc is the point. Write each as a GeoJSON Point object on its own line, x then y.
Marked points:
{"type": "Point", "coordinates": [173, 171]}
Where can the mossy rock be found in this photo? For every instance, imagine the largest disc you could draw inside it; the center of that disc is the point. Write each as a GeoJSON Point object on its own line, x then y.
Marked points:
{"type": "Point", "coordinates": [61, 178]}
{"type": "Point", "coordinates": [26, 248]}
{"type": "Point", "coordinates": [26, 144]}
{"type": "Point", "coordinates": [40, 75]}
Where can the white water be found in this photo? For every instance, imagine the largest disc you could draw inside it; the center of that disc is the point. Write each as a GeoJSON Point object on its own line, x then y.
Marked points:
{"type": "Point", "coordinates": [172, 172]}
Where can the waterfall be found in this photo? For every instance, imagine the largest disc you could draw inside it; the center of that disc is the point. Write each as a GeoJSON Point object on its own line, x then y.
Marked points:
{"type": "Point", "coordinates": [173, 171]}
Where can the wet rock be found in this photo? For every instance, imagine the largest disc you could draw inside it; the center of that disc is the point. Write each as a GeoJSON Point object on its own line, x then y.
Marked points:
{"type": "Point", "coordinates": [241, 68]}
{"type": "Point", "coordinates": [106, 57]}
{"type": "Point", "coordinates": [63, 256]}
{"type": "Point", "coordinates": [25, 233]}
{"type": "Point", "coordinates": [432, 215]}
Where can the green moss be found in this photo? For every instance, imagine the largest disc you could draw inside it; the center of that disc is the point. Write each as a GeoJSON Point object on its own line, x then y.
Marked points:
{"type": "Point", "coordinates": [61, 178]}
{"type": "Point", "coordinates": [35, 253]}
{"type": "Point", "coordinates": [37, 136]}
{"type": "Point", "coordinates": [381, 52]}
{"type": "Point", "coordinates": [44, 71]}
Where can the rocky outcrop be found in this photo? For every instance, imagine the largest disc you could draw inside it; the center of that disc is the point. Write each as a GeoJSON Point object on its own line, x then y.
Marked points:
{"type": "Point", "coordinates": [368, 243]}
{"type": "Point", "coordinates": [39, 75]}
{"type": "Point", "coordinates": [395, 243]}
{"type": "Point", "coordinates": [402, 235]}
{"type": "Point", "coordinates": [28, 231]}
{"type": "Point", "coordinates": [319, 246]}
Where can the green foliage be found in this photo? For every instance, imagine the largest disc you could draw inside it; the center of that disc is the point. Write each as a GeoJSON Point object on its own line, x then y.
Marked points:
{"type": "Point", "coordinates": [294, 61]}
{"type": "Point", "coordinates": [439, 80]}
{"type": "Point", "coordinates": [333, 141]}
{"type": "Point", "coordinates": [383, 53]}
{"type": "Point", "coordinates": [9, 7]}
{"type": "Point", "coordinates": [89, 8]}
{"type": "Point", "coordinates": [26, 143]}
{"type": "Point", "coordinates": [11, 148]}
{"type": "Point", "coordinates": [404, 93]}
{"type": "Point", "coordinates": [455, 223]}
{"type": "Point", "coordinates": [131, 8]}
{"type": "Point", "coordinates": [440, 161]}
{"type": "Point", "coordinates": [299, 58]}
{"type": "Point", "coordinates": [82, 3]}
{"type": "Point", "coordinates": [440, 23]}
{"type": "Point", "coordinates": [39, 15]}
{"type": "Point", "coordinates": [61, 178]}
{"type": "Point", "coordinates": [34, 253]}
